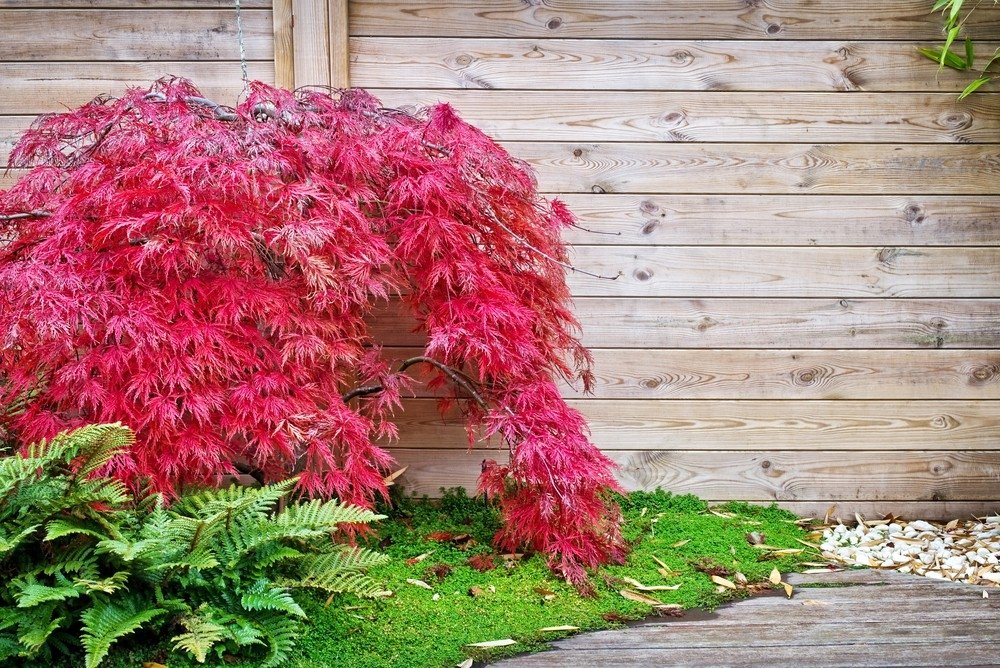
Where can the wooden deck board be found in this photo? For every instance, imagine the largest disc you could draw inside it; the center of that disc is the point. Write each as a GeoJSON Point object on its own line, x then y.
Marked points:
{"type": "Point", "coordinates": [883, 619]}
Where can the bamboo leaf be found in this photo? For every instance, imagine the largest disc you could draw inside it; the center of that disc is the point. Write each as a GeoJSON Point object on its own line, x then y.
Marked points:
{"type": "Point", "coordinates": [974, 86]}
{"type": "Point", "coordinates": [969, 53]}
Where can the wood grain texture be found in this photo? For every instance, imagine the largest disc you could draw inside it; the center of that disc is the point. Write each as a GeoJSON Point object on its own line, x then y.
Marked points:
{"type": "Point", "coordinates": [746, 271]}
{"type": "Point", "coordinates": [759, 323]}
{"type": "Point", "coordinates": [796, 220]}
{"type": "Point", "coordinates": [311, 36]}
{"type": "Point", "coordinates": [133, 34]}
{"type": "Point", "coordinates": [670, 425]}
{"type": "Point", "coordinates": [854, 169]}
{"type": "Point", "coordinates": [677, 19]}
{"type": "Point", "coordinates": [930, 476]}
{"type": "Point", "coordinates": [611, 64]}
{"type": "Point", "coordinates": [284, 43]}
{"type": "Point", "coordinates": [132, 4]}
{"type": "Point", "coordinates": [786, 374]}
{"type": "Point", "coordinates": [707, 117]}
{"type": "Point", "coordinates": [34, 88]}
{"type": "Point", "coordinates": [340, 55]}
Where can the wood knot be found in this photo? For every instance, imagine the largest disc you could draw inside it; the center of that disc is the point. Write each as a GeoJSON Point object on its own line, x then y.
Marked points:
{"type": "Point", "coordinates": [766, 464]}
{"type": "Point", "coordinates": [597, 189]}
{"type": "Point", "coordinates": [674, 118]}
{"type": "Point", "coordinates": [943, 422]}
{"type": "Point", "coordinates": [772, 29]}
{"type": "Point", "coordinates": [984, 372]}
{"type": "Point", "coordinates": [650, 226]}
{"type": "Point", "coordinates": [642, 274]}
{"type": "Point", "coordinates": [577, 152]}
{"type": "Point", "coordinates": [955, 120]}
{"type": "Point", "coordinates": [844, 303]}
{"type": "Point", "coordinates": [938, 323]}
{"type": "Point", "coordinates": [647, 206]}
{"type": "Point", "coordinates": [914, 213]}
{"type": "Point", "coordinates": [650, 383]}
{"type": "Point", "coordinates": [887, 255]}
{"type": "Point", "coordinates": [806, 377]}
{"type": "Point", "coordinates": [940, 466]}
{"type": "Point", "coordinates": [554, 23]}
{"type": "Point", "coordinates": [682, 57]}
{"type": "Point", "coordinates": [464, 60]}
{"type": "Point", "coordinates": [706, 323]}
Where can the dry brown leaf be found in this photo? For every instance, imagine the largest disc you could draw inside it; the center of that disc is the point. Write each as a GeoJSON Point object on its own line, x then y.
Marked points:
{"type": "Point", "coordinates": [775, 577]}
{"type": "Point", "coordinates": [788, 550]}
{"type": "Point", "coordinates": [681, 543]}
{"type": "Point", "coordinates": [829, 513]}
{"type": "Point", "coordinates": [951, 525]}
{"type": "Point", "coordinates": [417, 559]}
{"type": "Point", "coordinates": [812, 601]}
{"type": "Point", "coordinates": [755, 538]}
{"type": "Point", "coordinates": [390, 479]}
{"type": "Point", "coordinates": [475, 591]}
{"type": "Point", "coordinates": [727, 516]}
{"type": "Point", "coordinates": [660, 562]}
{"type": "Point", "coordinates": [465, 664]}
{"type": "Point", "coordinates": [506, 642]}
{"type": "Point", "coordinates": [740, 578]}
{"type": "Point", "coordinates": [723, 582]}
{"type": "Point", "coordinates": [665, 573]}
{"type": "Point", "coordinates": [661, 588]}
{"type": "Point", "coordinates": [861, 520]}
{"type": "Point", "coordinates": [807, 543]}
{"type": "Point", "coordinates": [565, 627]}
{"type": "Point", "coordinates": [419, 583]}
{"type": "Point", "coordinates": [639, 598]}
{"type": "Point", "coordinates": [788, 589]}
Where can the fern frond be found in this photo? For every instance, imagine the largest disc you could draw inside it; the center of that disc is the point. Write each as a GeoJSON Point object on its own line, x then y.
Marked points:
{"type": "Point", "coordinates": [108, 585]}
{"type": "Point", "coordinates": [36, 625]}
{"type": "Point", "coordinates": [202, 634]}
{"type": "Point", "coordinates": [29, 592]}
{"type": "Point", "coordinates": [8, 543]}
{"type": "Point", "coordinates": [280, 633]}
{"type": "Point", "coordinates": [104, 623]}
{"type": "Point", "coordinates": [99, 444]}
{"type": "Point", "coordinates": [339, 583]}
{"type": "Point", "coordinates": [342, 558]}
{"type": "Point", "coordinates": [318, 514]}
{"type": "Point", "coordinates": [68, 526]}
{"type": "Point", "coordinates": [262, 596]}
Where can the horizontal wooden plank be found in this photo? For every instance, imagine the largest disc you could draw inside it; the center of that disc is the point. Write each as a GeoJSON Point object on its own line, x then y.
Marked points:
{"type": "Point", "coordinates": [750, 271]}
{"type": "Point", "coordinates": [616, 64]}
{"type": "Point", "coordinates": [132, 4]}
{"type": "Point", "coordinates": [797, 220]}
{"type": "Point", "coordinates": [133, 34]}
{"type": "Point", "coordinates": [747, 425]}
{"type": "Point", "coordinates": [678, 19]}
{"type": "Point", "coordinates": [787, 374]}
{"type": "Point", "coordinates": [759, 323]}
{"type": "Point", "coordinates": [852, 169]}
{"type": "Point", "coordinates": [706, 117]}
{"type": "Point", "coordinates": [35, 88]}
{"type": "Point", "coordinates": [756, 476]}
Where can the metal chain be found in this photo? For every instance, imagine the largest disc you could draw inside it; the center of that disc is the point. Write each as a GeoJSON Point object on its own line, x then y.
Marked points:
{"type": "Point", "coordinates": [243, 49]}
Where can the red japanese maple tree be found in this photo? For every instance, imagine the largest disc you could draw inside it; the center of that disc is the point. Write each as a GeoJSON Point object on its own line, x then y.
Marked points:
{"type": "Point", "coordinates": [205, 275]}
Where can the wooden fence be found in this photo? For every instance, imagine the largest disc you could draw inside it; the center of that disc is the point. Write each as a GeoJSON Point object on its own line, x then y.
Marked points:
{"type": "Point", "coordinates": [805, 216]}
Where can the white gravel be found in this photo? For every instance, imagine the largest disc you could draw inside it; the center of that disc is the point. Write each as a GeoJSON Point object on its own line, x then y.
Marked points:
{"type": "Point", "coordinates": [961, 551]}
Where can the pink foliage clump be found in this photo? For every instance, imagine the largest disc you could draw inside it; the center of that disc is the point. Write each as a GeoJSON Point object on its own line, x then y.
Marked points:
{"type": "Point", "coordinates": [207, 276]}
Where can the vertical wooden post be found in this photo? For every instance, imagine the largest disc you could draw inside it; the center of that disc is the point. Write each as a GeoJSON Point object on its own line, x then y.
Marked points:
{"type": "Point", "coordinates": [311, 37]}
{"type": "Point", "coordinates": [340, 52]}
{"type": "Point", "coordinates": [284, 46]}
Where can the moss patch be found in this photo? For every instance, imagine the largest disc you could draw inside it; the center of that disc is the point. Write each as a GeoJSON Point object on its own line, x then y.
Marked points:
{"type": "Point", "coordinates": [519, 597]}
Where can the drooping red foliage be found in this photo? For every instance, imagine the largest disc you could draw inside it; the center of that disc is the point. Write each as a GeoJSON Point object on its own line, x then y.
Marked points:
{"type": "Point", "coordinates": [204, 275]}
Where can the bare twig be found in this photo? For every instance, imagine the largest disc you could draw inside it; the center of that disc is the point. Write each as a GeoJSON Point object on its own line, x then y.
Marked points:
{"type": "Point", "coordinates": [37, 213]}
{"type": "Point", "coordinates": [454, 375]}
{"type": "Point", "coordinates": [221, 113]}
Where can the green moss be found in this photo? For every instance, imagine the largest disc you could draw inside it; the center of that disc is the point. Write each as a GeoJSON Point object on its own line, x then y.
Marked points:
{"type": "Point", "coordinates": [411, 629]}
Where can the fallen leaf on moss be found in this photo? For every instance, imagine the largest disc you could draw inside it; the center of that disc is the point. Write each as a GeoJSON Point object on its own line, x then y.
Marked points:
{"type": "Point", "coordinates": [755, 538]}
{"type": "Point", "coordinates": [506, 642]}
{"type": "Point", "coordinates": [419, 583]}
{"type": "Point", "coordinates": [475, 591]}
{"type": "Point", "coordinates": [775, 577]}
{"type": "Point", "coordinates": [788, 589]}
{"type": "Point", "coordinates": [465, 664]}
{"type": "Point", "coordinates": [723, 582]}
{"type": "Point", "coordinates": [681, 543]}
{"type": "Point", "coordinates": [553, 629]}
{"type": "Point", "coordinates": [639, 598]}
{"type": "Point", "coordinates": [417, 559]}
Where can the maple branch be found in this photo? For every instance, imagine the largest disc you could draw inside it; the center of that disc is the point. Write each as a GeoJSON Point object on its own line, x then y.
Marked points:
{"type": "Point", "coordinates": [454, 375]}
{"type": "Point", "coordinates": [37, 213]}
{"type": "Point", "coordinates": [221, 113]}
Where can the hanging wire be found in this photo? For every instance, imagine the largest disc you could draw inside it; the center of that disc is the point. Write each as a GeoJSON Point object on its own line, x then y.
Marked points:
{"type": "Point", "coordinates": [243, 48]}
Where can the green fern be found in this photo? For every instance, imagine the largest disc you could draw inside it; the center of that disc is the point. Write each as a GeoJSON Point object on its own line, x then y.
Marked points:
{"type": "Point", "coordinates": [105, 623]}
{"type": "Point", "coordinates": [262, 596]}
{"type": "Point", "coordinates": [202, 634]}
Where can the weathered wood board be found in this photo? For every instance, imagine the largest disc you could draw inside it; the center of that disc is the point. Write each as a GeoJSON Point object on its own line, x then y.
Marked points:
{"type": "Point", "coordinates": [665, 65]}
{"type": "Point", "coordinates": [904, 20]}
{"type": "Point", "coordinates": [746, 424]}
{"type": "Point", "coordinates": [632, 116]}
